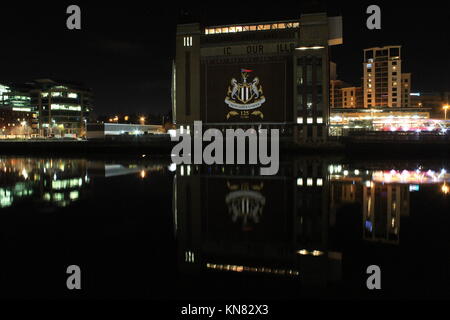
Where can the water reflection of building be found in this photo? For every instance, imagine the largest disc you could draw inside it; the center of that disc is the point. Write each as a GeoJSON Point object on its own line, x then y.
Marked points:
{"type": "Point", "coordinates": [383, 204]}
{"type": "Point", "coordinates": [384, 196]}
{"type": "Point", "coordinates": [50, 182]}
{"type": "Point", "coordinates": [230, 219]}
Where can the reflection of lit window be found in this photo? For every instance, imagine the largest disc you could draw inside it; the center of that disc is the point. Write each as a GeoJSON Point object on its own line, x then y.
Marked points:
{"type": "Point", "coordinates": [74, 195]}
{"type": "Point", "coordinates": [317, 253]}
{"type": "Point", "coordinates": [58, 196]}
{"type": "Point", "coordinates": [189, 256]}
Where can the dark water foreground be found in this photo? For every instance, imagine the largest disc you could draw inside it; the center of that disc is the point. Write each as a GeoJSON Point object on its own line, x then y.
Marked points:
{"type": "Point", "coordinates": [146, 229]}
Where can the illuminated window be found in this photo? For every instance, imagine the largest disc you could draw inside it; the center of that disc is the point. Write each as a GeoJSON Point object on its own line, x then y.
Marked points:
{"type": "Point", "coordinates": [309, 120]}
{"type": "Point", "coordinates": [72, 95]}
{"type": "Point", "coordinates": [320, 120]}
{"type": "Point", "coordinates": [319, 182]}
{"type": "Point", "coordinates": [65, 107]}
{"type": "Point", "coordinates": [309, 182]}
{"type": "Point", "coordinates": [256, 27]}
{"type": "Point", "coordinates": [187, 41]}
{"type": "Point", "coordinates": [299, 181]}
{"type": "Point", "coordinates": [299, 120]}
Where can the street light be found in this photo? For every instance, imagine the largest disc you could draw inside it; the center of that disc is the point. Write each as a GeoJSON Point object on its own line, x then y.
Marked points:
{"type": "Point", "coordinates": [445, 110]}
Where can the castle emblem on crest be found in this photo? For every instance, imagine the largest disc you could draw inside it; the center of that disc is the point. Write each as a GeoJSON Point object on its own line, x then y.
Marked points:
{"type": "Point", "coordinates": [245, 96]}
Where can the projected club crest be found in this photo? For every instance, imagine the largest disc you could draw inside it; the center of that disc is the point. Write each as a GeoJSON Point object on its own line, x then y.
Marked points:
{"type": "Point", "coordinates": [245, 203]}
{"type": "Point", "coordinates": [245, 96]}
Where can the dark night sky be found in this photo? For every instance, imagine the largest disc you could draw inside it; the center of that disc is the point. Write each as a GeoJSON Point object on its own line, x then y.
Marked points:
{"type": "Point", "coordinates": [124, 50]}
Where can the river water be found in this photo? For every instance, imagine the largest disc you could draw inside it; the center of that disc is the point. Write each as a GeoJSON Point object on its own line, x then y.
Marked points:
{"type": "Point", "coordinates": [144, 228]}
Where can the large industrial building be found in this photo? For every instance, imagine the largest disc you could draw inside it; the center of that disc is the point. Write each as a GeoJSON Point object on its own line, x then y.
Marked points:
{"type": "Point", "coordinates": [266, 75]}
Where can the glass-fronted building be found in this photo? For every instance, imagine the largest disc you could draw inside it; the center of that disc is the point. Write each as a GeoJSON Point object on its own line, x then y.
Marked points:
{"type": "Point", "coordinates": [63, 108]}
{"type": "Point", "coordinates": [18, 118]}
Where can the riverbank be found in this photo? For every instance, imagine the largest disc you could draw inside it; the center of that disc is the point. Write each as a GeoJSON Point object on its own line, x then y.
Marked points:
{"type": "Point", "coordinates": [162, 147]}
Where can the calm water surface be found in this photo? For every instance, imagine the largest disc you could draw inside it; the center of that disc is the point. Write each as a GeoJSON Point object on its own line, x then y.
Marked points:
{"type": "Point", "coordinates": [142, 228]}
